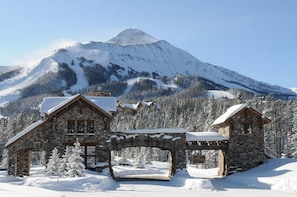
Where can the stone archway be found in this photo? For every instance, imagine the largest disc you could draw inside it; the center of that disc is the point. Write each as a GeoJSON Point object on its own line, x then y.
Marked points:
{"type": "Point", "coordinates": [210, 141]}
{"type": "Point", "coordinates": [150, 163]}
{"type": "Point", "coordinates": [165, 141]}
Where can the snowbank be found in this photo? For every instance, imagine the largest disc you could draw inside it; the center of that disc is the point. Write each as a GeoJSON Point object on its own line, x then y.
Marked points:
{"type": "Point", "coordinates": [276, 177]}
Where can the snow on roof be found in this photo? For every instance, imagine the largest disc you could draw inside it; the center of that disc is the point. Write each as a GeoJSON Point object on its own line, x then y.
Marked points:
{"type": "Point", "coordinates": [147, 103]}
{"type": "Point", "coordinates": [24, 132]}
{"type": "Point", "coordinates": [204, 136]}
{"type": "Point", "coordinates": [128, 105]}
{"type": "Point", "coordinates": [50, 104]}
{"type": "Point", "coordinates": [231, 111]}
{"type": "Point", "coordinates": [159, 130]}
{"type": "Point", "coordinates": [107, 103]}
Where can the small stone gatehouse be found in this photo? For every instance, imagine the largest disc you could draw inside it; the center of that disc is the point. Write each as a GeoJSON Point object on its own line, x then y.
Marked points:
{"type": "Point", "coordinates": [243, 126]}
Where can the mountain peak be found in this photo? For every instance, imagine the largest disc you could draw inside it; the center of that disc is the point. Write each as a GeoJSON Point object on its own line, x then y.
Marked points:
{"type": "Point", "coordinates": [132, 37]}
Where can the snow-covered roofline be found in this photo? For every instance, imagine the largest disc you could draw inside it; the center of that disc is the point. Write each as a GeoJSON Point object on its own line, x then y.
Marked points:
{"type": "Point", "coordinates": [23, 132]}
{"type": "Point", "coordinates": [51, 104]}
{"type": "Point", "coordinates": [159, 130]}
{"type": "Point", "coordinates": [107, 103]}
{"type": "Point", "coordinates": [131, 106]}
{"type": "Point", "coordinates": [231, 111]}
{"type": "Point", "coordinates": [204, 136]}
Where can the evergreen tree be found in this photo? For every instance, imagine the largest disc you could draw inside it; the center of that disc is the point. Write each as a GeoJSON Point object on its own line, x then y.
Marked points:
{"type": "Point", "coordinates": [64, 161]}
{"type": "Point", "coordinates": [52, 167]}
{"type": "Point", "coordinates": [75, 164]}
{"type": "Point", "coordinates": [292, 136]}
{"type": "Point", "coordinates": [140, 159]}
{"type": "Point", "coordinates": [43, 158]}
{"type": "Point", "coordinates": [4, 161]}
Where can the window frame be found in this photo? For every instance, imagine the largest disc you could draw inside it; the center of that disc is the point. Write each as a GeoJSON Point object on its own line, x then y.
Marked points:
{"type": "Point", "coordinates": [80, 127]}
{"type": "Point", "coordinates": [90, 130]}
{"type": "Point", "coordinates": [71, 127]}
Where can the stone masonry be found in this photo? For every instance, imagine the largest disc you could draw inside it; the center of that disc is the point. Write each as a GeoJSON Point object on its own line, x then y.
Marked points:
{"type": "Point", "coordinates": [53, 132]}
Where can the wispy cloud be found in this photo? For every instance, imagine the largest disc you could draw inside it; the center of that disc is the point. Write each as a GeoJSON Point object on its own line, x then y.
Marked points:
{"type": "Point", "coordinates": [35, 57]}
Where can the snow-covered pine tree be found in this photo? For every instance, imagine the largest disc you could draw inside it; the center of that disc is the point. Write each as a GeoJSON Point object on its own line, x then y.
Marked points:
{"type": "Point", "coordinates": [148, 155]}
{"type": "Point", "coordinates": [64, 161]}
{"type": "Point", "coordinates": [4, 160]}
{"type": "Point", "coordinates": [75, 164]}
{"type": "Point", "coordinates": [52, 167]}
{"type": "Point", "coordinates": [43, 158]}
{"type": "Point", "coordinates": [293, 133]}
{"type": "Point", "coordinates": [139, 161]}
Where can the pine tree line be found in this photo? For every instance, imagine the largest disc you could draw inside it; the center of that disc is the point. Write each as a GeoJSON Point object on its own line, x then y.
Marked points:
{"type": "Point", "coordinates": [194, 114]}
{"type": "Point", "coordinates": [197, 115]}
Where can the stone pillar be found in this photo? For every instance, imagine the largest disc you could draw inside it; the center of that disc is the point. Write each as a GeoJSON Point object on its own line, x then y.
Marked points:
{"type": "Point", "coordinates": [23, 163]}
{"type": "Point", "coordinates": [223, 163]}
{"type": "Point", "coordinates": [11, 166]}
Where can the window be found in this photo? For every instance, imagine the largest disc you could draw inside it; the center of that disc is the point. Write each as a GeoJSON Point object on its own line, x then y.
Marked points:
{"type": "Point", "coordinates": [246, 128]}
{"type": "Point", "coordinates": [80, 126]}
{"type": "Point", "coordinates": [71, 127]}
{"type": "Point", "coordinates": [90, 126]}
{"type": "Point", "coordinates": [89, 155]}
{"type": "Point", "coordinates": [91, 150]}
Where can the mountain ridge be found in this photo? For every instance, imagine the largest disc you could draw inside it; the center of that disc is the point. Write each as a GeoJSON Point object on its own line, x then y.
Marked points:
{"type": "Point", "coordinates": [131, 53]}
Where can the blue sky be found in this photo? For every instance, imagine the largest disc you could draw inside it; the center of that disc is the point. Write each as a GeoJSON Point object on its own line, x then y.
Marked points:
{"type": "Point", "coordinates": [256, 38]}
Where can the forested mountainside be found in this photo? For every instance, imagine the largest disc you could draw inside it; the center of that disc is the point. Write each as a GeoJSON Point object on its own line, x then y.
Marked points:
{"type": "Point", "coordinates": [194, 114]}
{"type": "Point", "coordinates": [111, 65]}
{"type": "Point", "coordinates": [134, 67]}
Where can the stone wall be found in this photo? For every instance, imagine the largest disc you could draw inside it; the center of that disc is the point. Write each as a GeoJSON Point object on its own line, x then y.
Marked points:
{"type": "Point", "coordinates": [54, 133]}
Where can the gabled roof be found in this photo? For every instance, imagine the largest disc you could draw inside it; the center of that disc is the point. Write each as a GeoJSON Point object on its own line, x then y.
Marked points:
{"type": "Point", "coordinates": [105, 104]}
{"type": "Point", "coordinates": [24, 132]}
{"type": "Point", "coordinates": [234, 110]}
{"type": "Point", "coordinates": [204, 136]}
{"type": "Point", "coordinates": [157, 130]}
{"type": "Point", "coordinates": [52, 105]}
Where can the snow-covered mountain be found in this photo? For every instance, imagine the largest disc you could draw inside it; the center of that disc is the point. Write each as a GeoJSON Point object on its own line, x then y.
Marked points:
{"type": "Point", "coordinates": [130, 54]}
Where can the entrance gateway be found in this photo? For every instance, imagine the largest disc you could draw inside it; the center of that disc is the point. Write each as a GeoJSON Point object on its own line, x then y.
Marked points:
{"type": "Point", "coordinates": [64, 120]}
{"type": "Point", "coordinates": [175, 140]}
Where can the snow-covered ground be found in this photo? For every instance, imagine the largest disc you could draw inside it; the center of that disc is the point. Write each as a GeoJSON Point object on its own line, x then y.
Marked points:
{"type": "Point", "coordinates": [276, 177]}
{"type": "Point", "coordinates": [159, 84]}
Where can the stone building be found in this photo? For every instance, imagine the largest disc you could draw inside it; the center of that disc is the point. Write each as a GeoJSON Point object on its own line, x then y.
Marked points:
{"type": "Point", "coordinates": [65, 120]}
{"type": "Point", "coordinates": [243, 126]}
{"type": "Point", "coordinates": [128, 109]}
{"type": "Point", "coordinates": [239, 140]}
